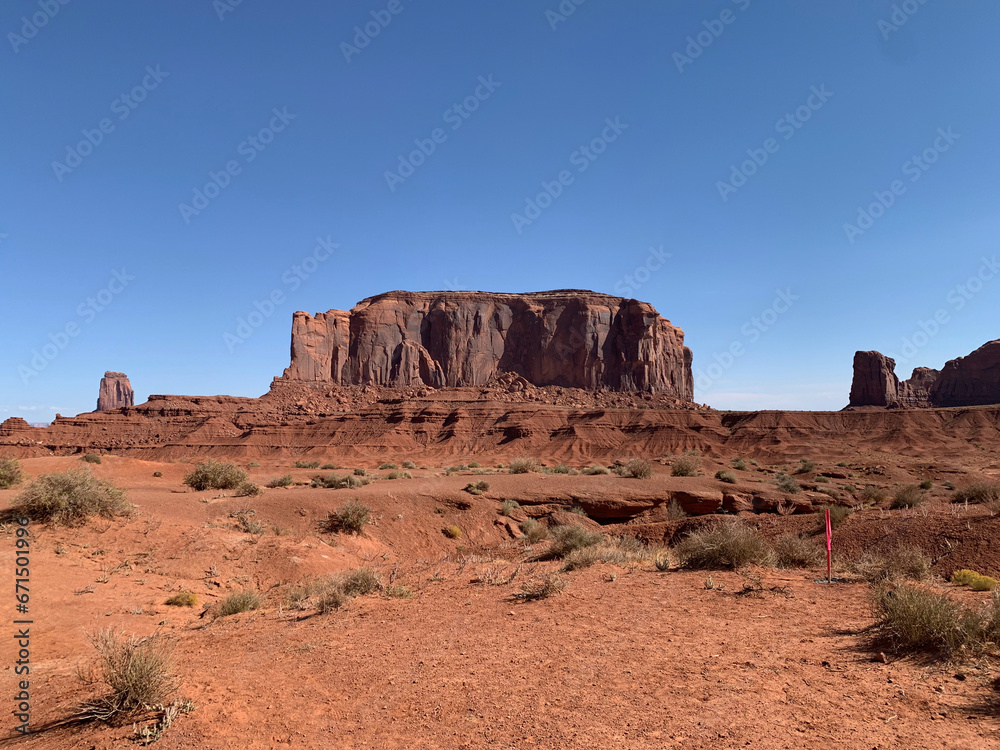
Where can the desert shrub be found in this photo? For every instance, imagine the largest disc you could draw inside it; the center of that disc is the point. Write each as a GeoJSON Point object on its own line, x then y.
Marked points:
{"type": "Point", "coordinates": [975, 581]}
{"type": "Point", "coordinates": [387, 465]}
{"type": "Point", "coordinates": [183, 599]}
{"type": "Point", "coordinates": [360, 472]}
{"type": "Point", "coordinates": [595, 469]}
{"type": "Point", "coordinates": [399, 475]}
{"type": "Point", "coordinates": [978, 492]}
{"type": "Point", "coordinates": [452, 532]}
{"type": "Point", "coordinates": [635, 468]}
{"type": "Point", "coordinates": [582, 558]}
{"type": "Point", "coordinates": [787, 484]}
{"type": "Point", "coordinates": [157, 474]}
{"type": "Point", "coordinates": [926, 484]}
{"type": "Point", "coordinates": [70, 499]}
{"type": "Point", "coordinates": [831, 492]}
{"type": "Point", "coordinates": [685, 466]}
{"type": "Point", "coordinates": [138, 671]}
{"type": "Point", "coordinates": [730, 544]}
{"type": "Point", "coordinates": [307, 464]}
{"type": "Point", "coordinates": [909, 496]}
{"type": "Point", "coordinates": [239, 601]}
{"type": "Point", "coordinates": [726, 476]}
{"type": "Point", "coordinates": [899, 563]}
{"type": "Point", "coordinates": [507, 507]}
{"type": "Point", "coordinates": [798, 552]}
{"type": "Point", "coordinates": [541, 588]}
{"type": "Point", "coordinates": [330, 599]}
{"type": "Point", "coordinates": [360, 582]}
{"type": "Point", "coordinates": [477, 488]}
{"type": "Point", "coordinates": [917, 620]}
{"type": "Point", "coordinates": [411, 465]}
{"type": "Point", "coordinates": [822, 480]}
{"type": "Point", "coordinates": [399, 591]}
{"type": "Point", "coordinates": [948, 485]}
{"type": "Point", "coordinates": [329, 467]}
{"type": "Point", "coordinates": [675, 512]}
{"type": "Point", "coordinates": [739, 464]}
{"type": "Point", "coordinates": [350, 519]}
{"type": "Point", "coordinates": [838, 514]}
{"type": "Point", "coordinates": [565, 539]}
{"type": "Point", "coordinates": [963, 577]}
{"type": "Point", "coordinates": [285, 481]}
{"type": "Point", "coordinates": [215, 475]}
{"type": "Point", "coordinates": [523, 466]}
{"type": "Point", "coordinates": [871, 495]}
{"type": "Point", "coordinates": [91, 458]}
{"type": "Point", "coordinates": [253, 465]}
{"type": "Point", "coordinates": [248, 489]}
{"type": "Point", "coordinates": [559, 469]}
{"type": "Point", "coordinates": [805, 467]}
{"type": "Point", "coordinates": [10, 473]}
{"type": "Point", "coordinates": [576, 510]}
{"type": "Point", "coordinates": [245, 521]}
{"type": "Point", "coordinates": [533, 529]}
{"type": "Point", "coordinates": [335, 482]}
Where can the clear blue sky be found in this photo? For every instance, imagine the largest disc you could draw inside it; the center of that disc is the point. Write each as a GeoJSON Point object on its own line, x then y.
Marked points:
{"type": "Point", "coordinates": [207, 85]}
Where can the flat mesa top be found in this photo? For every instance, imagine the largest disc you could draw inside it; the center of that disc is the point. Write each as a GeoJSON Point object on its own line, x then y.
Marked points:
{"type": "Point", "coordinates": [469, 294]}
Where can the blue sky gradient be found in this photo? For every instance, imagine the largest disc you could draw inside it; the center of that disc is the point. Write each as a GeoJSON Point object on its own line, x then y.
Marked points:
{"type": "Point", "coordinates": [748, 135]}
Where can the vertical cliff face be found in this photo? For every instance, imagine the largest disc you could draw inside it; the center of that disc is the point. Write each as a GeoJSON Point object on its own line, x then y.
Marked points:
{"type": "Point", "coordinates": [967, 381]}
{"type": "Point", "coordinates": [569, 338]}
{"type": "Point", "coordinates": [115, 392]}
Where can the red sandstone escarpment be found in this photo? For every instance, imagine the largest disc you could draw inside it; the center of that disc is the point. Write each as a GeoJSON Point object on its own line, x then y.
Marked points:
{"type": "Point", "coordinates": [568, 338]}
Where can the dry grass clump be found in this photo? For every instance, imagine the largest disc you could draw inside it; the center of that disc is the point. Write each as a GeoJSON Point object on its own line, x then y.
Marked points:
{"type": "Point", "coordinates": [871, 495]}
{"type": "Point", "coordinates": [838, 514]}
{"type": "Point", "coordinates": [335, 482]}
{"type": "Point", "coordinates": [975, 581]}
{"type": "Point", "coordinates": [566, 539]}
{"type": "Point", "coordinates": [350, 519]}
{"type": "Point", "coordinates": [728, 544]}
{"type": "Point", "coordinates": [635, 468]}
{"type": "Point", "coordinates": [524, 466]}
{"type": "Point", "coordinates": [215, 475]}
{"type": "Point", "coordinates": [248, 489]}
{"type": "Point", "coordinates": [986, 493]}
{"type": "Point", "coordinates": [726, 476]}
{"type": "Point", "coordinates": [452, 532]}
{"type": "Point", "coordinates": [10, 473]}
{"type": "Point", "coordinates": [675, 512]}
{"type": "Point", "coordinates": [616, 551]}
{"type": "Point", "coordinates": [477, 488]}
{"type": "Point", "coordinates": [915, 619]}
{"type": "Point", "coordinates": [541, 588]}
{"type": "Point", "coordinates": [285, 481]}
{"type": "Point", "coordinates": [137, 670]}
{"type": "Point", "coordinates": [239, 601]}
{"type": "Point", "coordinates": [787, 484]}
{"type": "Point", "coordinates": [71, 499]}
{"type": "Point", "coordinates": [899, 563]}
{"type": "Point", "coordinates": [909, 496]}
{"type": "Point", "coordinates": [507, 507]}
{"type": "Point", "coordinates": [685, 466]}
{"type": "Point", "coordinates": [183, 599]}
{"type": "Point", "coordinates": [595, 469]}
{"type": "Point", "coordinates": [534, 530]}
{"type": "Point", "coordinates": [330, 593]}
{"type": "Point", "coordinates": [399, 475]}
{"type": "Point", "coordinates": [307, 464]}
{"type": "Point", "coordinates": [91, 458]}
{"type": "Point", "coordinates": [795, 551]}
{"type": "Point", "coordinates": [739, 464]}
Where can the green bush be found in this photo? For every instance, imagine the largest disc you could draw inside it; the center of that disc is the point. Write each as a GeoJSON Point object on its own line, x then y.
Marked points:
{"type": "Point", "coordinates": [728, 544]}
{"type": "Point", "coordinates": [926, 484]}
{"type": "Point", "coordinates": [592, 470]}
{"type": "Point", "coordinates": [10, 473]}
{"type": "Point", "coordinates": [91, 458]}
{"type": "Point", "coordinates": [787, 484]}
{"type": "Point", "coordinates": [685, 466]}
{"type": "Point", "coordinates": [157, 474]}
{"type": "Point", "coordinates": [477, 488]}
{"type": "Point", "coordinates": [739, 464]}
{"type": "Point", "coordinates": [523, 466]}
{"type": "Point", "coordinates": [285, 481]}
{"type": "Point", "coordinates": [805, 467]}
{"type": "Point", "coordinates": [533, 529]}
{"type": "Point", "coordinates": [975, 581]}
{"type": "Point", "coordinates": [635, 468]}
{"type": "Point", "coordinates": [70, 499]}
{"type": "Point", "coordinates": [239, 601]}
{"type": "Point", "coordinates": [350, 519]}
{"type": "Point", "coordinates": [474, 464]}
{"type": "Point", "coordinates": [307, 464]}
{"type": "Point", "coordinates": [909, 496]}
{"type": "Point", "coordinates": [213, 475]}
{"type": "Point", "coordinates": [725, 476]}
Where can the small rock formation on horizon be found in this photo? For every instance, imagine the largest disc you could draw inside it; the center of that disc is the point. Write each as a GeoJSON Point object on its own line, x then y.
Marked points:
{"type": "Point", "coordinates": [973, 380]}
{"type": "Point", "coordinates": [569, 338]}
{"type": "Point", "coordinates": [115, 392]}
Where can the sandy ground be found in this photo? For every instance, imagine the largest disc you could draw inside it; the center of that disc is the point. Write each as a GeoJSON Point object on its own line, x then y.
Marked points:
{"type": "Point", "coordinates": [623, 657]}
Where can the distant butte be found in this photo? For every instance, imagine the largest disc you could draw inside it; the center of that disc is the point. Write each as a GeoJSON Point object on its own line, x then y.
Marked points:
{"type": "Point", "coordinates": [116, 392]}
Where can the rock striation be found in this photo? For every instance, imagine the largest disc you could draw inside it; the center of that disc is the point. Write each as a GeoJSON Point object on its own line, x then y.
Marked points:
{"type": "Point", "coordinates": [973, 380]}
{"type": "Point", "coordinates": [115, 392]}
{"type": "Point", "coordinates": [569, 338]}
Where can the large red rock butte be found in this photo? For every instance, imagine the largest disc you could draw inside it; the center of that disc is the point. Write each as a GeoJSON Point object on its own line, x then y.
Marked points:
{"type": "Point", "coordinates": [973, 380]}
{"type": "Point", "coordinates": [115, 392]}
{"type": "Point", "coordinates": [569, 338]}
